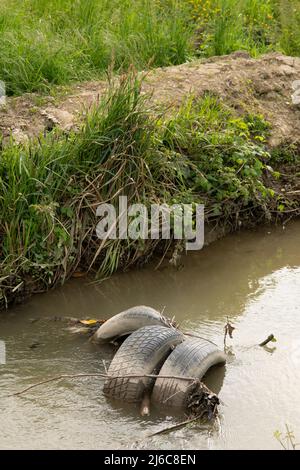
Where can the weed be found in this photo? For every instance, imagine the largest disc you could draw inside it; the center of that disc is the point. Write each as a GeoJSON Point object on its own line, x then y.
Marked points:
{"type": "Point", "coordinates": [50, 188]}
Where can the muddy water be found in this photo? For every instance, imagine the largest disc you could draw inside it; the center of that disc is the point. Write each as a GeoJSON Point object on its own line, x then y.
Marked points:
{"type": "Point", "coordinates": [253, 278]}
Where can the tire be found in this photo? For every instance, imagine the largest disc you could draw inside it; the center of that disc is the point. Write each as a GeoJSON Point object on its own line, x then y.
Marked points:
{"type": "Point", "coordinates": [192, 358]}
{"type": "Point", "coordinates": [143, 352]}
{"type": "Point", "coordinates": [126, 322]}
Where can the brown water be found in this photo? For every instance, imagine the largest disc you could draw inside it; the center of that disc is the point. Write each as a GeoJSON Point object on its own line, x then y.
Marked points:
{"type": "Point", "coordinates": [252, 277]}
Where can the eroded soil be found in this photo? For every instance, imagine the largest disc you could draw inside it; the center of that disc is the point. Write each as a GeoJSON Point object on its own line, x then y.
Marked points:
{"type": "Point", "coordinates": [263, 85]}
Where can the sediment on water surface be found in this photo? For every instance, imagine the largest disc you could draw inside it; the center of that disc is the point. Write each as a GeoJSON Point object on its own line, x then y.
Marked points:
{"type": "Point", "coordinates": [209, 148]}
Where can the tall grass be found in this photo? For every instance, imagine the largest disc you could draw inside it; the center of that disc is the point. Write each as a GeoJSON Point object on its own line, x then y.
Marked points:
{"type": "Point", "coordinates": [256, 26]}
{"type": "Point", "coordinates": [288, 12]}
{"type": "Point", "coordinates": [49, 191]}
{"type": "Point", "coordinates": [50, 188]}
{"type": "Point", "coordinates": [44, 42]}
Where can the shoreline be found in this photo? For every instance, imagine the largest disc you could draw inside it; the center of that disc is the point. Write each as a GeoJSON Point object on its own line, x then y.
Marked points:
{"type": "Point", "coordinates": [214, 147]}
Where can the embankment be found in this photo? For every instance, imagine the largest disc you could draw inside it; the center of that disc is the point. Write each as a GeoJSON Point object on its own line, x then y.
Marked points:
{"type": "Point", "coordinates": [225, 132]}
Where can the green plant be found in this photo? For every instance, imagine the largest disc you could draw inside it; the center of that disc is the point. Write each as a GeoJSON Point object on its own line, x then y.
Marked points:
{"type": "Point", "coordinates": [288, 12]}
{"type": "Point", "coordinates": [50, 188]}
{"type": "Point", "coordinates": [50, 42]}
{"type": "Point", "coordinates": [224, 26]}
{"type": "Point", "coordinates": [287, 440]}
{"type": "Point", "coordinates": [224, 163]}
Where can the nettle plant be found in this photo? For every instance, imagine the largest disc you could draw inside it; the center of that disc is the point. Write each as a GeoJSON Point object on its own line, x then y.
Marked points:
{"type": "Point", "coordinates": [223, 157]}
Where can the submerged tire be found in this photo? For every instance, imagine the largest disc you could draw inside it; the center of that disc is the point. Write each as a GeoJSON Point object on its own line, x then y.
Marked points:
{"type": "Point", "coordinates": [143, 352]}
{"type": "Point", "coordinates": [192, 358]}
{"type": "Point", "coordinates": [126, 322]}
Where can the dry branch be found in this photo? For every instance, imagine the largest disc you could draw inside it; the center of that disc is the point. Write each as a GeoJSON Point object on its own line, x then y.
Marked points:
{"type": "Point", "coordinates": [106, 376]}
{"type": "Point", "coordinates": [176, 426]}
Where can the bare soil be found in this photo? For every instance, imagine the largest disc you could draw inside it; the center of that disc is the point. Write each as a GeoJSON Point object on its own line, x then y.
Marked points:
{"type": "Point", "coordinates": [263, 85]}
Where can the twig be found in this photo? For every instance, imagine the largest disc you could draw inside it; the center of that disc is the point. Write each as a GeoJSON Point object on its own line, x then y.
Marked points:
{"type": "Point", "coordinates": [197, 336]}
{"type": "Point", "coordinates": [176, 426]}
{"type": "Point", "coordinates": [175, 393]}
{"type": "Point", "coordinates": [287, 441]}
{"type": "Point", "coordinates": [202, 386]}
{"type": "Point", "coordinates": [228, 330]}
{"type": "Point", "coordinates": [290, 437]}
{"type": "Point", "coordinates": [163, 310]}
{"type": "Point", "coordinates": [106, 376]}
{"type": "Point", "coordinates": [104, 365]}
{"type": "Point", "coordinates": [267, 340]}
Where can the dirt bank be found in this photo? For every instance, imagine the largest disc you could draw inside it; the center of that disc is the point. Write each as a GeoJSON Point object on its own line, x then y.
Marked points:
{"type": "Point", "coordinates": [262, 85]}
{"type": "Point", "coordinates": [214, 153]}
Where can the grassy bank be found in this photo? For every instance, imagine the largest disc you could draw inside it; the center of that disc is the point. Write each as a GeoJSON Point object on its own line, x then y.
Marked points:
{"type": "Point", "coordinates": [50, 188]}
{"type": "Point", "coordinates": [257, 26]}
{"type": "Point", "coordinates": [58, 41]}
{"type": "Point", "coordinates": [46, 42]}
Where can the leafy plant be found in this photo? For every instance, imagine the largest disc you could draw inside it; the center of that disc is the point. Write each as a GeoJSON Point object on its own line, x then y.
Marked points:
{"type": "Point", "coordinates": [50, 188]}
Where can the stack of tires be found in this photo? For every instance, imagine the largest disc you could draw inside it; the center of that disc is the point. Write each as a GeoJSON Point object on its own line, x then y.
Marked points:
{"type": "Point", "coordinates": [153, 358]}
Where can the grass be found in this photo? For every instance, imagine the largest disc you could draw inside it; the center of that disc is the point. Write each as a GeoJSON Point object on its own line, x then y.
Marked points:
{"type": "Point", "coordinates": [50, 42]}
{"type": "Point", "coordinates": [258, 27]}
{"type": "Point", "coordinates": [46, 42]}
{"type": "Point", "coordinates": [205, 153]}
{"type": "Point", "coordinates": [50, 188]}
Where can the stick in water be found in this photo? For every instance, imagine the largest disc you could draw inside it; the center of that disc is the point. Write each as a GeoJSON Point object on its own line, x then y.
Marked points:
{"type": "Point", "coordinates": [267, 340]}
{"type": "Point", "coordinates": [105, 376]}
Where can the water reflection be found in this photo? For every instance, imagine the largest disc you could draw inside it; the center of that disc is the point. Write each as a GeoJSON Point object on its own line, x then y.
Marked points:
{"type": "Point", "coordinates": [253, 278]}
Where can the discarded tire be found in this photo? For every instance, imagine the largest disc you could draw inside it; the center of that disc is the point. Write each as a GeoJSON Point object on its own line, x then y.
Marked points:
{"type": "Point", "coordinates": [143, 352]}
{"type": "Point", "coordinates": [127, 322]}
{"type": "Point", "coordinates": [192, 358]}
